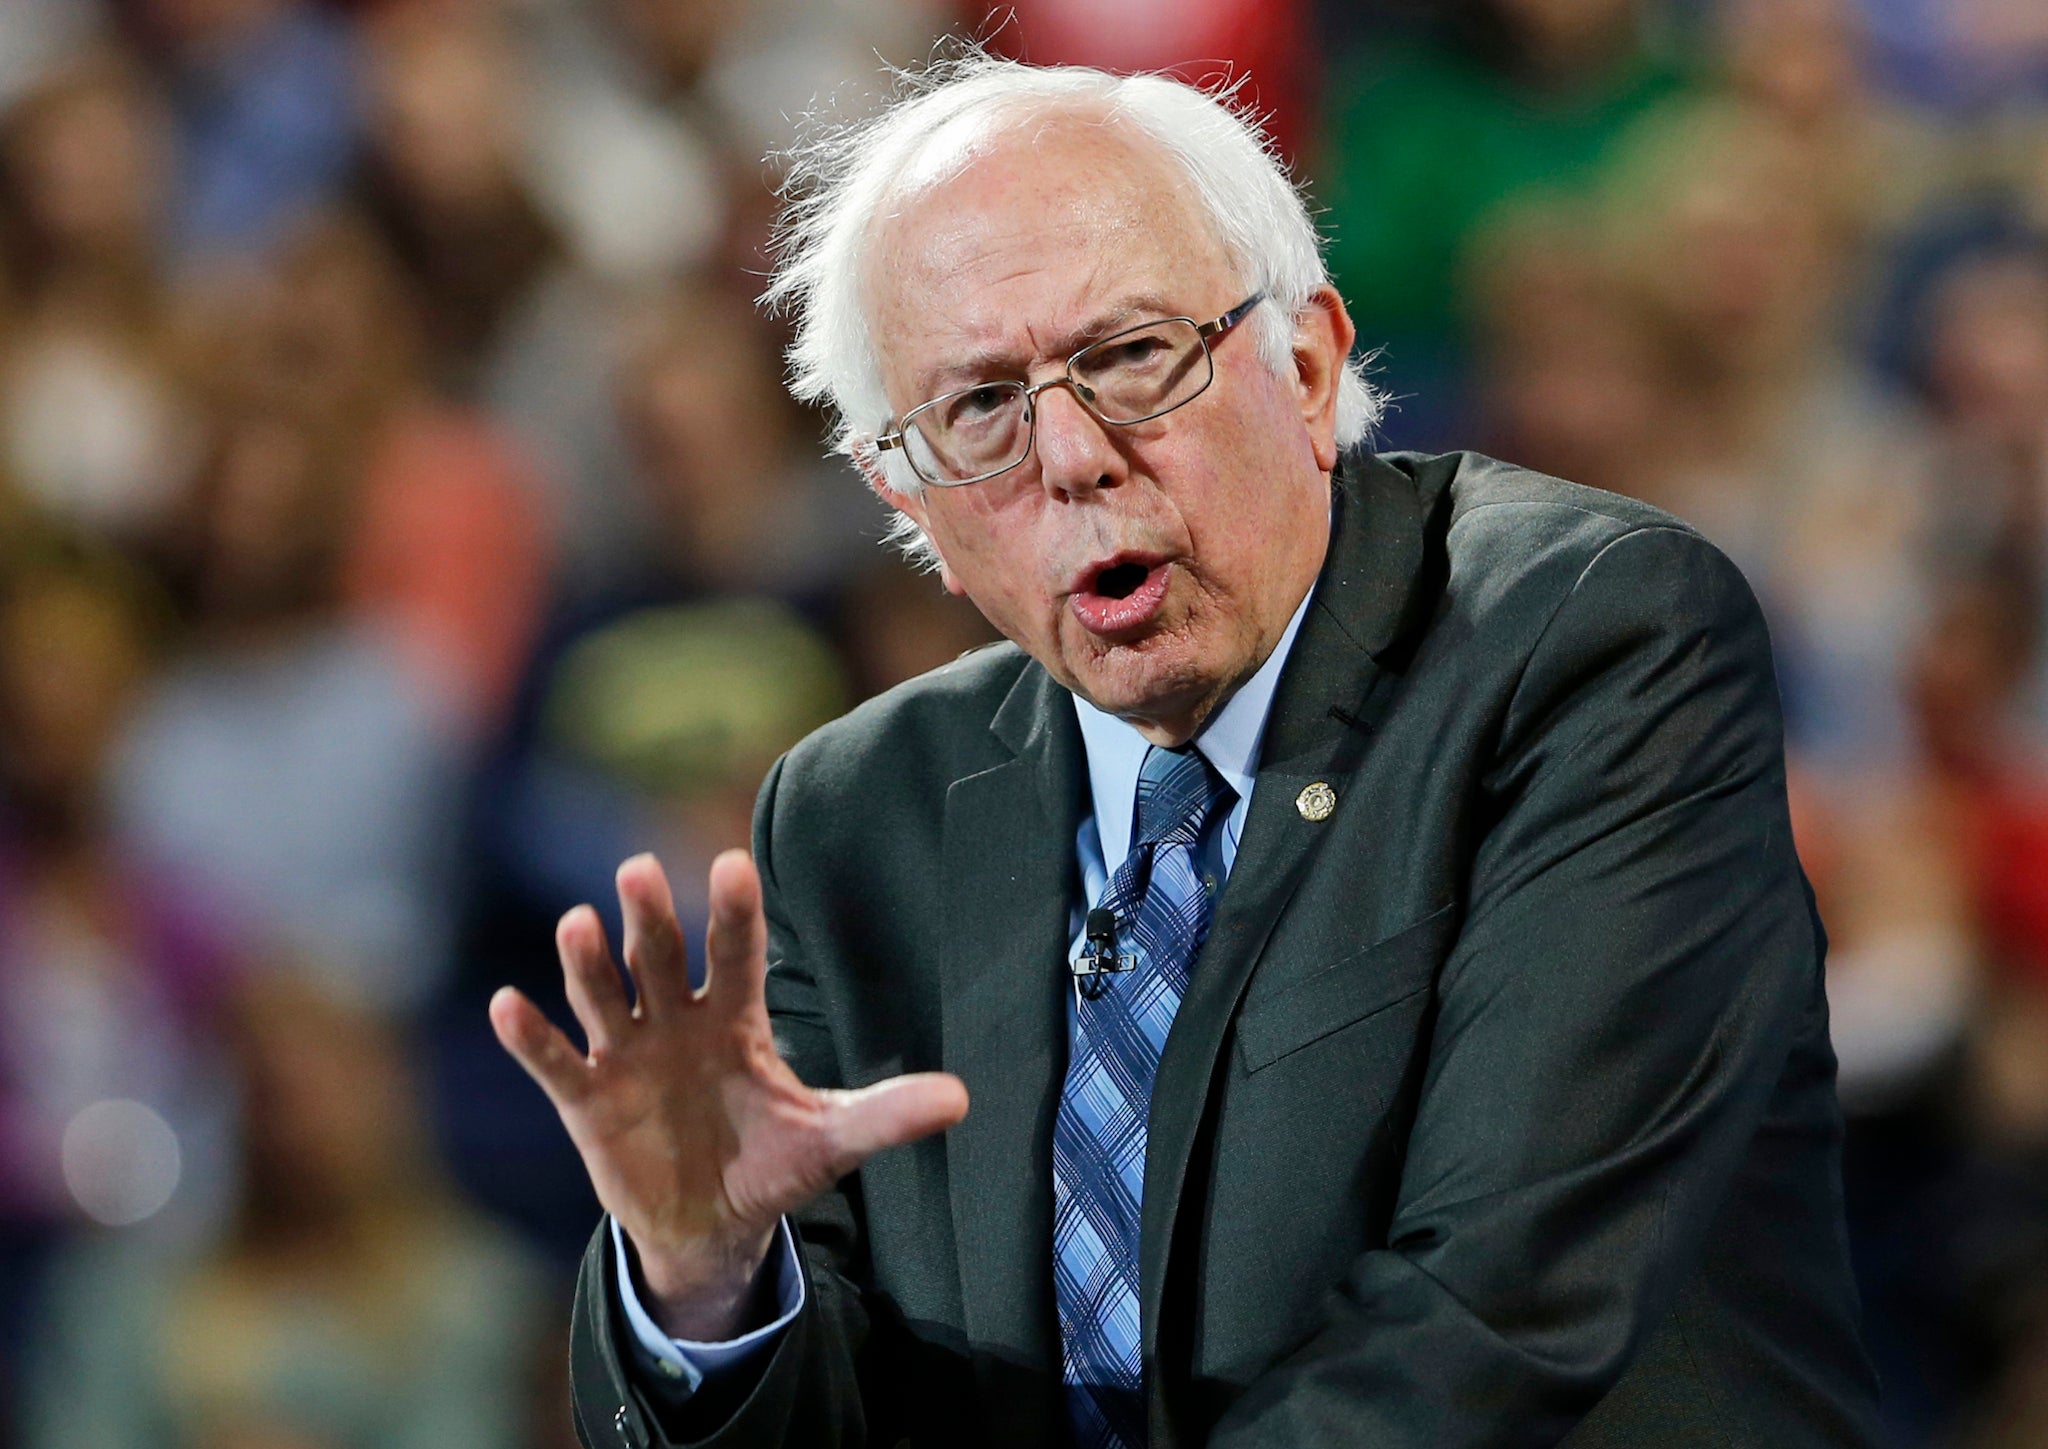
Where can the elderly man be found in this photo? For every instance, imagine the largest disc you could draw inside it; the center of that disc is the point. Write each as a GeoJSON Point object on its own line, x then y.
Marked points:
{"type": "Point", "coordinates": [1359, 904]}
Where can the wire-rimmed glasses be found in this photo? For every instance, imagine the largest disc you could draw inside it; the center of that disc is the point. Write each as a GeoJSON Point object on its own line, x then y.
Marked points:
{"type": "Point", "coordinates": [1128, 377]}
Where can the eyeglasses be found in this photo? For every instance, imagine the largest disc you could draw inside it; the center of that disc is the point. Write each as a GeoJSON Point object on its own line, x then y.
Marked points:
{"type": "Point", "coordinates": [1128, 377]}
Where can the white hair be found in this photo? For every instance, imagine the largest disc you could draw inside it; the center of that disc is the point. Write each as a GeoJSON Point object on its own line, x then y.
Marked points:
{"type": "Point", "coordinates": [843, 177]}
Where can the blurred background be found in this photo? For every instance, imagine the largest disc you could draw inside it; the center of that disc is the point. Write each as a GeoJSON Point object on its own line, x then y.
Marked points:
{"type": "Point", "coordinates": [401, 522]}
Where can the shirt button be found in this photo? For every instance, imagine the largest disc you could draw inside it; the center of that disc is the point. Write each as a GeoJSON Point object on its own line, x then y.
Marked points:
{"type": "Point", "coordinates": [671, 1369]}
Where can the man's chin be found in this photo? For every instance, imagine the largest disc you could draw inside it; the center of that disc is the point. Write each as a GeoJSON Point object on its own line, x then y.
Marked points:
{"type": "Point", "coordinates": [1147, 688]}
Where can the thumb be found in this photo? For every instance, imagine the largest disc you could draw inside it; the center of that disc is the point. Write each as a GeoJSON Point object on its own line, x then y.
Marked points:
{"type": "Point", "coordinates": [902, 1109]}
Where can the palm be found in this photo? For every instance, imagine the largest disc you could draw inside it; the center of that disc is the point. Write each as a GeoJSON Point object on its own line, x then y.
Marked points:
{"type": "Point", "coordinates": [696, 1135]}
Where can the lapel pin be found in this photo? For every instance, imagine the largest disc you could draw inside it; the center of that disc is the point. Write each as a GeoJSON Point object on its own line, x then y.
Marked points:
{"type": "Point", "coordinates": [1316, 801]}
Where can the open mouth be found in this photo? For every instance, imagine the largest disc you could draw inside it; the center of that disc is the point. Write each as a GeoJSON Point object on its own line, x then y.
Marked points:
{"type": "Point", "coordinates": [1122, 595]}
{"type": "Point", "coordinates": [1120, 581]}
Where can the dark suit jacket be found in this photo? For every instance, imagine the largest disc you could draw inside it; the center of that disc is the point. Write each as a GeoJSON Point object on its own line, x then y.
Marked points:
{"type": "Point", "coordinates": [1500, 1109]}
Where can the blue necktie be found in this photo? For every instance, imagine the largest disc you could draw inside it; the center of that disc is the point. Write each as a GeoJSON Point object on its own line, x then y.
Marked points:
{"type": "Point", "coordinates": [1098, 1154]}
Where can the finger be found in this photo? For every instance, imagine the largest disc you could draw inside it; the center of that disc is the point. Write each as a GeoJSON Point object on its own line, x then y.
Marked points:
{"type": "Point", "coordinates": [538, 1046]}
{"type": "Point", "coordinates": [654, 941]}
{"type": "Point", "coordinates": [736, 946]}
{"type": "Point", "coordinates": [902, 1109]}
{"type": "Point", "coordinates": [591, 980]}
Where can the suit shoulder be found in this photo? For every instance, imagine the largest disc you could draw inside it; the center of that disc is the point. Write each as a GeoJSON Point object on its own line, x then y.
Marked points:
{"type": "Point", "coordinates": [934, 725]}
{"type": "Point", "coordinates": [1491, 498]}
{"type": "Point", "coordinates": [1524, 540]}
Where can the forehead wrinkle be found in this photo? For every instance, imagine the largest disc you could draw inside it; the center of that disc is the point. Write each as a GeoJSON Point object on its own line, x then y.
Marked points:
{"type": "Point", "coordinates": [986, 340]}
{"type": "Point", "coordinates": [999, 361]}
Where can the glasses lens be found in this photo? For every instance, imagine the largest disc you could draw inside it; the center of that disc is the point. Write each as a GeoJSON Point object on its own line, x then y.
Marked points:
{"type": "Point", "coordinates": [969, 433]}
{"type": "Point", "coordinates": [1144, 372]}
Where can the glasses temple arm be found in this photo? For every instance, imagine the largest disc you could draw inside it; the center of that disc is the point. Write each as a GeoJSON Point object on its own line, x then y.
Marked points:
{"type": "Point", "coordinates": [1231, 318]}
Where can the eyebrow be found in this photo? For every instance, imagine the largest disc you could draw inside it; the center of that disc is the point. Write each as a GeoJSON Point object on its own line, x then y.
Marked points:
{"type": "Point", "coordinates": [996, 362]}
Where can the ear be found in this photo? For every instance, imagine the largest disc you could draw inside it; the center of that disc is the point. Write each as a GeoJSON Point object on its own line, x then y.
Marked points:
{"type": "Point", "coordinates": [1322, 342]}
{"type": "Point", "coordinates": [910, 505]}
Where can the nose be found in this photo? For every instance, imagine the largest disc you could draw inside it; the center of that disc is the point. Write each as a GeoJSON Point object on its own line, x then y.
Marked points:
{"type": "Point", "coordinates": [1076, 454]}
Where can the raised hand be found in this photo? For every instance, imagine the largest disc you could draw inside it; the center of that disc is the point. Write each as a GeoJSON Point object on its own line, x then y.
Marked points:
{"type": "Point", "coordinates": [696, 1134]}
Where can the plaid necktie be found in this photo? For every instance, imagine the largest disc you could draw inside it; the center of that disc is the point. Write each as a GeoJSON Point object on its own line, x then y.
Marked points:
{"type": "Point", "coordinates": [1098, 1156]}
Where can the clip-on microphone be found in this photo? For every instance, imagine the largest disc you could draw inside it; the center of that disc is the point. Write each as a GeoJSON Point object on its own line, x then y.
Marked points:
{"type": "Point", "coordinates": [1100, 959]}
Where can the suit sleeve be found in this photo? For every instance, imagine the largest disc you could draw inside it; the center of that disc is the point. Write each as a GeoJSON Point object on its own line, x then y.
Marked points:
{"type": "Point", "coordinates": [807, 1390]}
{"type": "Point", "coordinates": [1637, 955]}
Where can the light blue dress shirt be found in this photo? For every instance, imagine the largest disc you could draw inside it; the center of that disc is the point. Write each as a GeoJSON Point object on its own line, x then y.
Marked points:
{"type": "Point", "coordinates": [1115, 750]}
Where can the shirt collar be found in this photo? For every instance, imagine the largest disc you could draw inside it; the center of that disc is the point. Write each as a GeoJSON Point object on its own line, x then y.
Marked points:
{"type": "Point", "coordinates": [1230, 742]}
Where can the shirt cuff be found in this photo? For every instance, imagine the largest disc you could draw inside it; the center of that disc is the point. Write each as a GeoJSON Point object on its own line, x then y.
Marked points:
{"type": "Point", "coordinates": [681, 1365]}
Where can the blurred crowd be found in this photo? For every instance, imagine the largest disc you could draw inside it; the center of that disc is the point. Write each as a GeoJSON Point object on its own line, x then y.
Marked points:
{"type": "Point", "coordinates": [402, 522]}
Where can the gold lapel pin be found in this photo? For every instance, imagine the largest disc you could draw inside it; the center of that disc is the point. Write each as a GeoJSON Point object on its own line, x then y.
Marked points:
{"type": "Point", "coordinates": [1315, 802]}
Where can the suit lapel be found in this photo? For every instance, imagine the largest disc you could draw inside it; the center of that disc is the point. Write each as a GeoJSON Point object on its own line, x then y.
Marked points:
{"type": "Point", "coordinates": [1370, 598]}
{"type": "Point", "coordinates": [1009, 884]}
